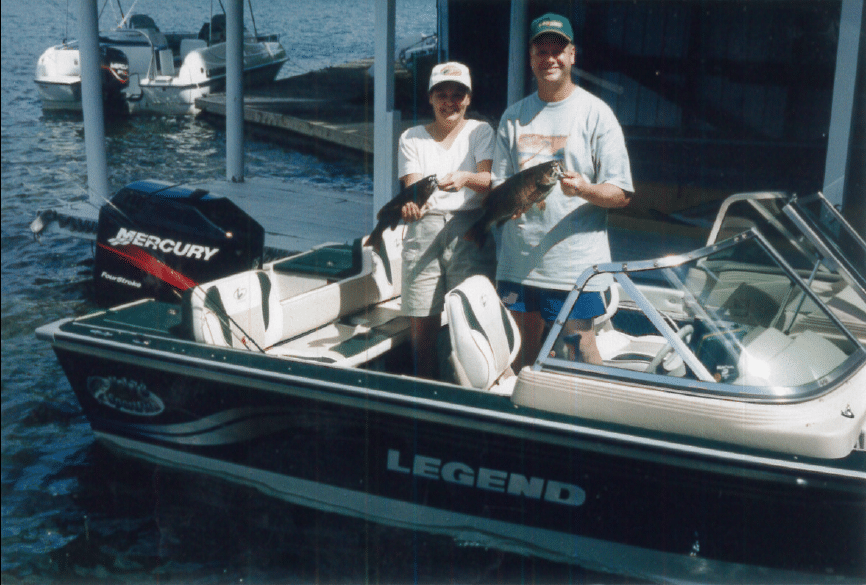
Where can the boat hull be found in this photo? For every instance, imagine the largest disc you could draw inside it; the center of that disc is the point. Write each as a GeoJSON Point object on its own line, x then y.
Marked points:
{"type": "Point", "coordinates": [169, 97]}
{"type": "Point", "coordinates": [138, 89]}
{"type": "Point", "coordinates": [62, 96]}
{"type": "Point", "coordinates": [439, 458]}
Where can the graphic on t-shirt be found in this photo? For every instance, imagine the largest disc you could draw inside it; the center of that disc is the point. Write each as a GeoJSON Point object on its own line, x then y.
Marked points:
{"type": "Point", "coordinates": [533, 149]}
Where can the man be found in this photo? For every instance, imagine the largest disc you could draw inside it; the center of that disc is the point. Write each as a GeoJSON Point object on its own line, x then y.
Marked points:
{"type": "Point", "coordinates": [436, 258]}
{"type": "Point", "coordinates": [542, 252]}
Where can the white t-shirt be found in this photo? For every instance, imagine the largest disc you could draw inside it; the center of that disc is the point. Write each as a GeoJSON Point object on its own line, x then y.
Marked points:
{"type": "Point", "coordinates": [551, 248]}
{"type": "Point", "coordinates": [420, 153]}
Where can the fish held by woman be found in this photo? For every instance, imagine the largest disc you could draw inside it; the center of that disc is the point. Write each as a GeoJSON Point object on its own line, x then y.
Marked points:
{"type": "Point", "coordinates": [514, 197]}
{"type": "Point", "coordinates": [391, 213]}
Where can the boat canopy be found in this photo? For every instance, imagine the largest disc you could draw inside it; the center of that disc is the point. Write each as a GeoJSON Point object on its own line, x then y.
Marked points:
{"type": "Point", "coordinates": [739, 319]}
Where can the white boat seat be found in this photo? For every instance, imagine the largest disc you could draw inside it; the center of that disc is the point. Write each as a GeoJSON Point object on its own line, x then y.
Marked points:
{"type": "Point", "coordinates": [631, 352]}
{"type": "Point", "coordinates": [241, 311]}
{"type": "Point", "coordinates": [262, 310]}
{"type": "Point", "coordinates": [484, 336]}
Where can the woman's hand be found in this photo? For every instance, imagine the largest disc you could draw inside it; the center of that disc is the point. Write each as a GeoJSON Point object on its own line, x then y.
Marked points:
{"type": "Point", "coordinates": [411, 212]}
{"type": "Point", "coordinates": [454, 181]}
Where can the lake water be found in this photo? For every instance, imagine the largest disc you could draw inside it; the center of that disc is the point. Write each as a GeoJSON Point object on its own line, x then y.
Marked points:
{"type": "Point", "coordinates": [73, 512]}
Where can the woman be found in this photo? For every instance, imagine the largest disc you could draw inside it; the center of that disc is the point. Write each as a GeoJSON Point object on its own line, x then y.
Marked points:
{"type": "Point", "coordinates": [436, 258]}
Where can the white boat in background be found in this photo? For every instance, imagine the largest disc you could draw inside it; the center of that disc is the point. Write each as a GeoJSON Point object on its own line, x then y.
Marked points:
{"type": "Point", "coordinates": [146, 70]}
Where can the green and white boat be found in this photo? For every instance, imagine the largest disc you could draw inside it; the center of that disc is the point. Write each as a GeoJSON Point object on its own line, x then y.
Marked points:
{"type": "Point", "coordinates": [721, 441]}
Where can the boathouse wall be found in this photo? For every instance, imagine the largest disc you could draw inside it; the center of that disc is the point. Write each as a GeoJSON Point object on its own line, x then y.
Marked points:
{"type": "Point", "coordinates": [715, 98]}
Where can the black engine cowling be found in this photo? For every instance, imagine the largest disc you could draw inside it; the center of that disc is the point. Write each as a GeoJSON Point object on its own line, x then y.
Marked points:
{"type": "Point", "coordinates": [157, 240]}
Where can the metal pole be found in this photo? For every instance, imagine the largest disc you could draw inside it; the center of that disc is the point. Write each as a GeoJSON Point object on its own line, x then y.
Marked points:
{"type": "Point", "coordinates": [91, 104]}
{"type": "Point", "coordinates": [442, 24]}
{"type": "Point", "coordinates": [517, 51]}
{"type": "Point", "coordinates": [841, 111]}
{"type": "Point", "coordinates": [234, 91]}
{"type": "Point", "coordinates": [385, 119]}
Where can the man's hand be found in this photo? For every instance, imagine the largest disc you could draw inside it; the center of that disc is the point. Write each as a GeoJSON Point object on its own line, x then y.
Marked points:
{"type": "Point", "coordinates": [573, 183]}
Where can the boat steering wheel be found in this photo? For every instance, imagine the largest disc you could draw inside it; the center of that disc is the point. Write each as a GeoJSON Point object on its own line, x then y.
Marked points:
{"type": "Point", "coordinates": [667, 348]}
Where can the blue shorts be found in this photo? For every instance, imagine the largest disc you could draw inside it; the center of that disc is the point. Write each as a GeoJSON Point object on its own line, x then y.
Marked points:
{"type": "Point", "coordinates": [527, 299]}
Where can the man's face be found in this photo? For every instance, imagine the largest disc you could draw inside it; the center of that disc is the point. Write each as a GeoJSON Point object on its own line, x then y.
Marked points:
{"type": "Point", "coordinates": [551, 57]}
{"type": "Point", "coordinates": [449, 100]}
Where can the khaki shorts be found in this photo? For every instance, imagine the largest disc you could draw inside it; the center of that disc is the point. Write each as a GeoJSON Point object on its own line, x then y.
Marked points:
{"type": "Point", "coordinates": [436, 258]}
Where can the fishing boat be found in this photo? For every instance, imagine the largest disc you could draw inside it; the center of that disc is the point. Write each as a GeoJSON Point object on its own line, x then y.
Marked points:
{"type": "Point", "coordinates": [146, 70]}
{"type": "Point", "coordinates": [722, 439]}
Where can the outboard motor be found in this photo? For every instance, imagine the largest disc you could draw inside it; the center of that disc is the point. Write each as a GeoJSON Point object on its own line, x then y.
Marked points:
{"type": "Point", "coordinates": [157, 240]}
{"type": "Point", "coordinates": [114, 66]}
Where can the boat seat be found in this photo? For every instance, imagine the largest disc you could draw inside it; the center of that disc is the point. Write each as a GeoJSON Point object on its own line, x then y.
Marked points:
{"type": "Point", "coordinates": [484, 336]}
{"type": "Point", "coordinates": [240, 311]}
{"type": "Point", "coordinates": [634, 352]}
{"type": "Point", "coordinates": [264, 309]}
{"type": "Point", "coordinates": [772, 358]}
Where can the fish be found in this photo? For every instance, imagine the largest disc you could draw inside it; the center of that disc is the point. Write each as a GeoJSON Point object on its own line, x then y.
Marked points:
{"type": "Point", "coordinates": [515, 196]}
{"type": "Point", "coordinates": [391, 213]}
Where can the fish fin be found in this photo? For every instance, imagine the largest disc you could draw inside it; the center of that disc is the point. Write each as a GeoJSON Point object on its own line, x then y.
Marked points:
{"type": "Point", "coordinates": [476, 233]}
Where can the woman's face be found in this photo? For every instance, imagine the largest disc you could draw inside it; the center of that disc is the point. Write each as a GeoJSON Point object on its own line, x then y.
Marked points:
{"type": "Point", "coordinates": [449, 101]}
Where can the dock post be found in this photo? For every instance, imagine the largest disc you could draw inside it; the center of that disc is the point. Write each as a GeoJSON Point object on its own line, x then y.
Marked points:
{"type": "Point", "coordinates": [517, 51]}
{"type": "Point", "coordinates": [386, 121]}
{"type": "Point", "coordinates": [91, 105]}
{"type": "Point", "coordinates": [841, 113]}
{"type": "Point", "coordinates": [234, 91]}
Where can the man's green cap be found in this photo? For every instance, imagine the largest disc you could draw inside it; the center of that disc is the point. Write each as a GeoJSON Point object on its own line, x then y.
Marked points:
{"type": "Point", "coordinates": [551, 23]}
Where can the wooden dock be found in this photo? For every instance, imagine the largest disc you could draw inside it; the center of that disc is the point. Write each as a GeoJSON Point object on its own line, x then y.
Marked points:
{"type": "Point", "coordinates": [298, 217]}
{"type": "Point", "coordinates": [295, 216]}
{"type": "Point", "coordinates": [331, 109]}
{"type": "Point", "coordinates": [323, 110]}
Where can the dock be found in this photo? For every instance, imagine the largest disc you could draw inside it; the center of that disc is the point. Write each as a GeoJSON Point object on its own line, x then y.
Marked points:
{"type": "Point", "coordinates": [330, 112]}
{"type": "Point", "coordinates": [327, 110]}
{"type": "Point", "coordinates": [294, 217]}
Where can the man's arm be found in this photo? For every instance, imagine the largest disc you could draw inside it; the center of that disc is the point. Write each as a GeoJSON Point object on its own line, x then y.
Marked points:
{"type": "Point", "coordinates": [604, 195]}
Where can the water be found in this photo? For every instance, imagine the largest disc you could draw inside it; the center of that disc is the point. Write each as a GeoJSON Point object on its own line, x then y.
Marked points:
{"type": "Point", "coordinates": [71, 510]}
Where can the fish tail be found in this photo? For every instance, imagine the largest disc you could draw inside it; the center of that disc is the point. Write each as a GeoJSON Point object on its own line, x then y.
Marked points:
{"type": "Point", "coordinates": [375, 239]}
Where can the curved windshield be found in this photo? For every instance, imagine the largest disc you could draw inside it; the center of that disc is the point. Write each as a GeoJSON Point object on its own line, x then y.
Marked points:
{"type": "Point", "coordinates": [731, 318]}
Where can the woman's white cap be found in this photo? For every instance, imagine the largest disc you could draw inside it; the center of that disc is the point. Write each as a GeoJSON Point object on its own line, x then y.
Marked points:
{"type": "Point", "coordinates": [453, 71]}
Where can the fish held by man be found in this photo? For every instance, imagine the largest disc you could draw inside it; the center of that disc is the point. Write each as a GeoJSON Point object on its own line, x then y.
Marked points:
{"type": "Point", "coordinates": [391, 213]}
{"type": "Point", "coordinates": [514, 197]}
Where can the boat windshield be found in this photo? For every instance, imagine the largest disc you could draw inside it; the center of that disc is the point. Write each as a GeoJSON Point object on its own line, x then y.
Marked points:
{"type": "Point", "coordinates": [832, 235]}
{"type": "Point", "coordinates": [808, 232]}
{"type": "Point", "coordinates": [731, 319]}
